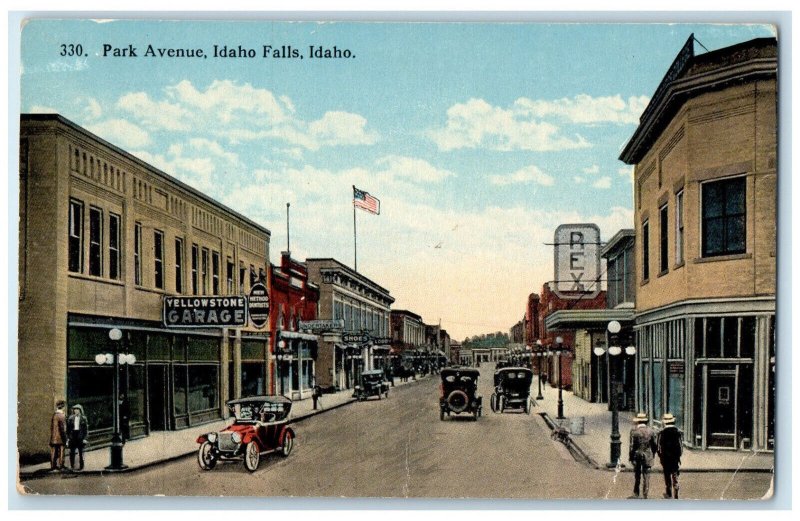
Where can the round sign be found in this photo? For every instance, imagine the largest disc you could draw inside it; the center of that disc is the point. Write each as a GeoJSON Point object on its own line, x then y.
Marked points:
{"type": "Point", "coordinates": [258, 305]}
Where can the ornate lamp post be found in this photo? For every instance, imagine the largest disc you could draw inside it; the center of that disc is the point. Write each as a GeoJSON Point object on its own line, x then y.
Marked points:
{"type": "Point", "coordinates": [539, 356]}
{"type": "Point", "coordinates": [116, 358]}
{"type": "Point", "coordinates": [614, 350]}
{"type": "Point", "coordinates": [559, 349]}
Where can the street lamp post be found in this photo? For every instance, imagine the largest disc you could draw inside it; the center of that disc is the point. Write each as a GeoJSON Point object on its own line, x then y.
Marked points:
{"type": "Point", "coordinates": [614, 350]}
{"type": "Point", "coordinates": [116, 358]}
{"type": "Point", "coordinates": [279, 356]}
{"type": "Point", "coordinates": [559, 349]}
{"type": "Point", "coordinates": [539, 356]}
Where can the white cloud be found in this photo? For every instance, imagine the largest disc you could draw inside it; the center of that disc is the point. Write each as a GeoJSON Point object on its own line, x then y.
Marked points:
{"type": "Point", "coordinates": [121, 132]}
{"type": "Point", "coordinates": [411, 169]}
{"type": "Point", "coordinates": [41, 109]}
{"type": "Point", "coordinates": [578, 179]}
{"type": "Point", "coordinates": [594, 169]}
{"type": "Point", "coordinates": [528, 174]}
{"type": "Point", "coordinates": [477, 124]}
{"type": "Point", "coordinates": [626, 172]}
{"type": "Point", "coordinates": [92, 109]}
{"type": "Point", "coordinates": [241, 113]}
{"type": "Point", "coordinates": [585, 109]}
{"type": "Point", "coordinates": [602, 183]}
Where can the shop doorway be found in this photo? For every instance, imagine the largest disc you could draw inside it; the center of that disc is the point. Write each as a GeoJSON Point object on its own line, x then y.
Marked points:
{"type": "Point", "coordinates": [157, 397]}
{"type": "Point", "coordinates": [721, 409]}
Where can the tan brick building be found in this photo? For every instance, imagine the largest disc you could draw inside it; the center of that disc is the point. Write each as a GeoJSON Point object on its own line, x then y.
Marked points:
{"type": "Point", "coordinates": [104, 237]}
{"type": "Point", "coordinates": [704, 199]}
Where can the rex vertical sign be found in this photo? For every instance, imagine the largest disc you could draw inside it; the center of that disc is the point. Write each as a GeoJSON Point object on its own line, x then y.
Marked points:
{"type": "Point", "coordinates": [577, 260]}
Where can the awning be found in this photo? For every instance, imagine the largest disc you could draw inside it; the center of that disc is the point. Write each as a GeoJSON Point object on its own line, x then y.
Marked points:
{"type": "Point", "coordinates": [587, 318]}
{"type": "Point", "coordinates": [381, 348]}
{"type": "Point", "coordinates": [293, 335]}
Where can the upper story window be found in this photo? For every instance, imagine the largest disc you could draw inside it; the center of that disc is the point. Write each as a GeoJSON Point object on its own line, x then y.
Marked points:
{"type": "Point", "coordinates": [679, 228]}
{"type": "Point", "coordinates": [204, 270]}
{"type": "Point", "coordinates": [663, 223]}
{"type": "Point", "coordinates": [723, 217]}
{"type": "Point", "coordinates": [229, 270]}
{"type": "Point", "coordinates": [95, 241]}
{"type": "Point", "coordinates": [215, 273]}
{"type": "Point", "coordinates": [114, 246]}
{"type": "Point", "coordinates": [195, 261]}
{"type": "Point", "coordinates": [75, 262]}
{"type": "Point", "coordinates": [178, 265]}
{"type": "Point", "coordinates": [158, 257]}
{"type": "Point", "coordinates": [646, 250]}
{"type": "Point", "coordinates": [137, 254]}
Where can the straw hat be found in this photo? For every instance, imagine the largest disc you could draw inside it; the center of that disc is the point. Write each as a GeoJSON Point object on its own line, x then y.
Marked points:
{"type": "Point", "coordinates": [668, 419]}
{"type": "Point", "coordinates": [640, 418]}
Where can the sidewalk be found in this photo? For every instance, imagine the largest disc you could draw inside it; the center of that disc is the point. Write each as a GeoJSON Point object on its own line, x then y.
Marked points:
{"type": "Point", "coordinates": [594, 444]}
{"type": "Point", "coordinates": [164, 446]}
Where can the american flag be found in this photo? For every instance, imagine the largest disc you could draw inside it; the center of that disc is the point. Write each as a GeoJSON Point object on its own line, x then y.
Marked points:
{"type": "Point", "coordinates": [363, 200]}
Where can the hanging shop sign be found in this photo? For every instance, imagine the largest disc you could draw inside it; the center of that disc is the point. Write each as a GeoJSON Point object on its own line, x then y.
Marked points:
{"type": "Point", "coordinates": [355, 338]}
{"type": "Point", "coordinates": [226, 311]}
{"type": "Point", "coordinates": [321, 325]}
{"type": "Point", "coordinates": [577, 261]}
{"type": "Point", "coordinates": [258, 303]}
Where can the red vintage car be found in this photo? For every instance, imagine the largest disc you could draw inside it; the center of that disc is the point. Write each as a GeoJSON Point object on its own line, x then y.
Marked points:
{"type": "Point", "coordinates": [260, 428]}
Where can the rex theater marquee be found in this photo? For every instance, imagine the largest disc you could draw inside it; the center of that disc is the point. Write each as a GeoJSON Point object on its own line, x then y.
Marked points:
{"type": "Point", "coordinates": [577, 261]}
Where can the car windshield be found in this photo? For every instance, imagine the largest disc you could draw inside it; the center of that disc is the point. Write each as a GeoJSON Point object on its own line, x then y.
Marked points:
{"type": "Point", "coordinates": [257, 411]}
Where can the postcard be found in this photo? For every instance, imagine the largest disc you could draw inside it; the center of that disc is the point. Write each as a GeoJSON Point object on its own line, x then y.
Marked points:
{"type": "Point", "coordinates": [397, 260]}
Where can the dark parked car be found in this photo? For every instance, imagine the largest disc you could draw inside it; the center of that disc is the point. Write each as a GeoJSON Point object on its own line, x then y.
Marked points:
{"type": "Point", "coordinates": [459, 392]}
{"type": "Point", "coordinates": [259, 428]}
{"type": "Point", "coordinates": [512, 389]}
{"type": "Point", "coordinates": [371, 383]}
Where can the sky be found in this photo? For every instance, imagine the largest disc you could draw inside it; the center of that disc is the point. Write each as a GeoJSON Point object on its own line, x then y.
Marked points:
{"type": "Point", "coordinates": [478, 138]}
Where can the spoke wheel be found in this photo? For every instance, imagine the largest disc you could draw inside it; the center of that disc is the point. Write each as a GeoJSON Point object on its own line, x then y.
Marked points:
{"type": "Point", "coordinates": [251, 456]}
{"type": "Point", "coordinates": [205, 456]}
{"type": "Point", "coordinates": [288, 444]}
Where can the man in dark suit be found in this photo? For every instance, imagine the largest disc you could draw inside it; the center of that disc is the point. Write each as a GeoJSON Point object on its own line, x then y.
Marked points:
{"type": "Point", "coordinates": [641, 449]}
{"type": "Point", "coordinates": [670, 449]}
{"type": "Point", "coordinates": [77, 430]}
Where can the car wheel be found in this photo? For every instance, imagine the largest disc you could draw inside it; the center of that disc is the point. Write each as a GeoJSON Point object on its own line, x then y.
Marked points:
{"type": "Point", "coordinates": [205, 456]}
{"type": "Point", "coordinates": [493, 402]}
{"type": "Point", "coordinates": [252, 456]}
{"type": "Point", "coordinates": [457, 401]}
{"type": "Point", "coordinates": [441, 414]}
{"type": "Point", "coordinates": [527, 406]}
{"type": "Point", "coordinates": [475, 415]}
{"type": "Point", "coordinates": [288, 444]}
{"type": "Point", "coordinates": [502, 404]}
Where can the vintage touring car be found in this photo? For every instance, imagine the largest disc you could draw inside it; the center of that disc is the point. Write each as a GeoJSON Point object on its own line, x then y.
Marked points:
{"type": "Point", "coordinates": [458, 392]}
{"type": "Point", "coordinates": [259, 428]}
{"type": "Point", "coordinates": [512, 389]}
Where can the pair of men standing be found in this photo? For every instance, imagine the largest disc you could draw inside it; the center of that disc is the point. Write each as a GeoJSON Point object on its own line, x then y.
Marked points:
{"type": "Point", "coordinates": [644, 444]}
{"type": "Point", "coordinates": [67, 432]}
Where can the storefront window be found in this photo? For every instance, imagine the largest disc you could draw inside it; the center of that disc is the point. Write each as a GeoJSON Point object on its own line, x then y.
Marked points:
{"type": "Point", "coordinates": [179, 373]}
{"type": "Point", "coordinates": [92, 387]}
{"type": "Point", "coordinates": [253, 378]}
{"type": "Point", "coordinates": [713, 337]}
{"type": "Point", "coordinates": [85, 344]}
{"type": "Point", "coordinates": [730, 337]}
{"type": "Point", "coordinates": [158, 346]}
{"type": "Point", "coordinates": [308, 371]}
{"type": "Point", "coordinates": [748, 342]}
{"type": "Point", "coordinates": [658, 406]}
{"type": "Point", "coordinates": [203, 348]}
{"type": "Point", "coordinates": [135, 385]}
{"type": "Point", "coordinates": [203, 380]}
{"type": "Point", "coordinates": [675, 391]}
{"type": "Point", "coordinates": [253, 349]}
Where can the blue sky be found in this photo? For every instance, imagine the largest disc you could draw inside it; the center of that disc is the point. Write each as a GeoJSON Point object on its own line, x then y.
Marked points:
{"type": "Point", "coordinates": [479, 139]}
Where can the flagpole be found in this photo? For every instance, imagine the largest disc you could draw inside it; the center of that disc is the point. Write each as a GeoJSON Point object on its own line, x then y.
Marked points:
{"type": "Point", "coordinates": [355, 241]}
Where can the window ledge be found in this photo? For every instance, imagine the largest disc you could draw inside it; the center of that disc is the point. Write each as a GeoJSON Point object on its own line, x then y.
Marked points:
{"type": "Point", "coordinates": [717, 258]}
{"type": "Point", "coordinates": [151, 290]}
{"type": "Point", "coordinates": [681, 264]}
{"type": "Point", "coordinates": [661, 274]}
{"type": "Point", "coordinates": [644, 281]}
{"type": "Point", "coordinates": [94, 278]}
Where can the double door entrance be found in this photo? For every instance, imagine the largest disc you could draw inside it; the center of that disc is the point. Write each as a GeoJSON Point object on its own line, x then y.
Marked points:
{"type": "Point", "coordinates": [728, 400]}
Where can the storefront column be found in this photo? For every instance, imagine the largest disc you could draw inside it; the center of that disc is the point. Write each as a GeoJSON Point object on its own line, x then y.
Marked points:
{"type": "Point", "coordinates": [689, 373]}
{"type": "Point", "coordinates": [224, 371]}
{"type": "Point", "coordinates": [761, 391]}
{"type": "Point", "coordinates": [237, 364]}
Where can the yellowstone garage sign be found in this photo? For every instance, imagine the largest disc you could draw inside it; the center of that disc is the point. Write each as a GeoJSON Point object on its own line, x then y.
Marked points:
{"type": "Point", "coordinates": [205, 311]}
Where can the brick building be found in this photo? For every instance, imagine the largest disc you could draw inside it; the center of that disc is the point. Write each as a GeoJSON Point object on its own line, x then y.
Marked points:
{"type": "Point", "coordinates": [704, 156]}
{"type": "Point", "coordinates": [104, 238]}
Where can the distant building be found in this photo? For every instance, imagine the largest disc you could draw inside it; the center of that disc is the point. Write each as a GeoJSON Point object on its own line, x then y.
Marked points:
{"type": "Point", "coordinates": [293, 299]}
{"type": "Point", "coordinates": [363, 305]}
{"type": "Point", "coordinates": [705, 177]}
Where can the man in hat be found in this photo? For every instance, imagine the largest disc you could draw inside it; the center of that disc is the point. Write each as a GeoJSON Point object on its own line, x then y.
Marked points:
{"type": "Point", "coordinates": [77, 429]}
{"type": "Point", "coordinates": [670, 449]}
{"type": "Point", "coordinates": [641, 449]}
{"type": "Point", "coordinates": [58, 436]}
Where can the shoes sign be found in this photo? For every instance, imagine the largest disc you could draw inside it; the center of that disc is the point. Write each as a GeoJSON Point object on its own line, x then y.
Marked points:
{"type": "Point", "coordinates": [258, 300]}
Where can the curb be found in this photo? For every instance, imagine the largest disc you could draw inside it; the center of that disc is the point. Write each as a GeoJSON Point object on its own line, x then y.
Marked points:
{"type": "Point", "coordinates": [41, 473]}
{"type": "Point", "coordinates": [575, 448]}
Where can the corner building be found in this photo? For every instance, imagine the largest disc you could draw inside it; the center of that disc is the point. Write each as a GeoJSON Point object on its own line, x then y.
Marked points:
{"type": "Point", "coordinates": [704, 200]}
{"type": "Point", "coordinates": [103, 238]}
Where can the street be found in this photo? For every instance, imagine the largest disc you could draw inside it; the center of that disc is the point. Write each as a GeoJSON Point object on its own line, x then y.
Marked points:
{"type": "Point", "coordinates": [399, 448]}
